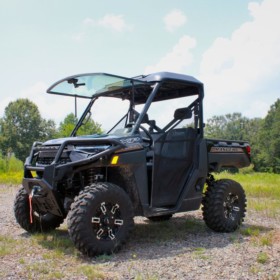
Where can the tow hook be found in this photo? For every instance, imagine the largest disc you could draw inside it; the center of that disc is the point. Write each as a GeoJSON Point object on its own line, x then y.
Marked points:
{"type": "Point", "coordinates": [30, 206]}
{"type": "Point", "coordinates": [34, 190]}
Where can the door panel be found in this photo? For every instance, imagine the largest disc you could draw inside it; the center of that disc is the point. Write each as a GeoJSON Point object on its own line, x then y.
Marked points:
{"type": "Point", "coordinates": [173, 158]}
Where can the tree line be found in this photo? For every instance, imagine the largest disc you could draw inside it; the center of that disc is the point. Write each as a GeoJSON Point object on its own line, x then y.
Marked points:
{"type": "Point", "coordinates": [262, 134]}
{"type": "Point", "coordinates": [22, 124]}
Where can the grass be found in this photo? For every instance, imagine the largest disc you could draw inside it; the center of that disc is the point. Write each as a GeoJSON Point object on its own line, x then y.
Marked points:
{"type": "Point", "coordinates": [11, 178]}
{"type": "Point", "coordinates": [91, 272]}
{"type": "Point", "coordinates": [10, 246]}
{"type": "Point", "coordinates": [262, 258]}
{"type": "Point", "coordinates": [264, 185]}
{"type": "Point", "coordinates": [262, 191]}
{"type": "Point", "coordinates": [57, 241]}
{"type": "Point", "coordinates": [260, 236]}
{"type": "Point", "coordinates": [6, 245]}
{"type": "Point", "coordinates": [251, 231]}
{"type": "Point", "coordinates": [200, 253]}
{"type": "Point", "coordinates": [56, 257]}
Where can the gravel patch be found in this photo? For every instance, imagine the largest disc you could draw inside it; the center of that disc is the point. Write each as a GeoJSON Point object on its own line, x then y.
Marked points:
{"type": "Point", "coordinates": [182, 248]}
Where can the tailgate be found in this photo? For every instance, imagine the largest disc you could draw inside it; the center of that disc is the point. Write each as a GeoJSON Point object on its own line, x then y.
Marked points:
{"type": "Point", "coordinates": [227, 153]}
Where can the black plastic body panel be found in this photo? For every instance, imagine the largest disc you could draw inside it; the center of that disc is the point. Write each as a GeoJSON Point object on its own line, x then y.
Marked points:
{"type": "Point", "coordinates": [227, 153]}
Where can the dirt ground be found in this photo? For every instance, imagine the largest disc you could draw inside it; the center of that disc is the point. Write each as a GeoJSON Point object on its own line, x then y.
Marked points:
{"type": "Point", "coordinates": [182, 248]}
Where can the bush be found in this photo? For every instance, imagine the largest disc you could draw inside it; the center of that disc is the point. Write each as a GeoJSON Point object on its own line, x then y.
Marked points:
{"type": "Point", "coordinates": [14, 164]}
{"type": "Point", "coordinates": [10, 164]}
{"type": "Point", "coordinates": [11, 170]}
{"type": "Point", "coordinates": [3, 164]}
{"type": "Point", "coordinates": [247, 170]}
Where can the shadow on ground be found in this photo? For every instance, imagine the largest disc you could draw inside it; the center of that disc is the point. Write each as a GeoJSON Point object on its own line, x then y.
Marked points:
{"type": "Point", "coordinates": [150, 240]}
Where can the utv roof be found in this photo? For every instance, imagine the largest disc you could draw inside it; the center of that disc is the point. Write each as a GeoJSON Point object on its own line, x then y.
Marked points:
{"type": "Point", "coordinates": [161, 76]}
{"type": "Point", "coordinates": [102, 84]}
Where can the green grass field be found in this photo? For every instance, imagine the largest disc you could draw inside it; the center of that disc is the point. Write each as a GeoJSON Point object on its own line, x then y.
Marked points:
{"type": "Point", "coordinates": [262, 191]}
{"type": "Point", "coordinates": [11, 178]}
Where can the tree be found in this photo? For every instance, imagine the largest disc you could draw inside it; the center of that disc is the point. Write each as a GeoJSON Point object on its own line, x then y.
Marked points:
{"type": "Point", "coordinates": [236, 127]}
{"type": "Point", "coordinates": [230, 126]}
{"type": "Point", "coordinates": [47, 129]}
{"type": "Point", "coordinates": [68, 124]}
{"type": "Point", "coordinates": [66, 127]}
{"type": "Point", "coordinates": [21, 126]}
{"type": "Point", "coordinates": [268, 158]}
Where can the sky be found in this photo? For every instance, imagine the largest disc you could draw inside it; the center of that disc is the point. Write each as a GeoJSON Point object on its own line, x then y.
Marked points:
{"type": "Point", "coordinates": [232, 46]}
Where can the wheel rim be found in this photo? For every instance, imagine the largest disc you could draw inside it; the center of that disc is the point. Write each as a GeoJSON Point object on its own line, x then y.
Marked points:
{"type": "Point", "coordinates": [107, 221]}
{"type": "Point", "coordinates": [231, 206]}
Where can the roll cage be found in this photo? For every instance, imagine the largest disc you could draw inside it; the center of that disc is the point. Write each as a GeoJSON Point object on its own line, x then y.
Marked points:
{"type": "Point", "coordinates": [138, 90]}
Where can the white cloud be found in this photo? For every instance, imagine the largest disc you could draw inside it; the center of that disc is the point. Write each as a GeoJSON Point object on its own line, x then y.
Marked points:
{"type": "Point", "coordinates": [79, 37]}
{"type": "Point", "coordinates": [109, 21]}
{"type": "Point", "coordinates": [177, 59]}
{"type": "Point", "coordinates": [88, 21]}
{"type": "Point", "coordinates": [114, 22]}
{"type": "Point", "coordinates": [239, 71]}
{"type": "Point", "coordinates": [174, 20]}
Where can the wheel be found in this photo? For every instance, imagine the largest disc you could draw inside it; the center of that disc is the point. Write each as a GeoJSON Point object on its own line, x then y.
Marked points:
{"type": "Point", "coordinates": [41, 222]}
{"type": "Point", "coordinates": [100, 219]}
{"type": "Point", "coordinates": [224, 205]}
{"type": "Point", "coordinates": [160, 218]}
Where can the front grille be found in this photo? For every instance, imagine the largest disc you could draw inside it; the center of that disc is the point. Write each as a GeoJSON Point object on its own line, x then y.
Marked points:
{"type": "Point", "coordinates": [48, 161]}
{"type": "Point", "coordinates": [46, 156]}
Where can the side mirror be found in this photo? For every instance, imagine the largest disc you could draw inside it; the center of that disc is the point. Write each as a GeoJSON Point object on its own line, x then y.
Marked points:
{"type": "Point", "coordinates": [183, 113]}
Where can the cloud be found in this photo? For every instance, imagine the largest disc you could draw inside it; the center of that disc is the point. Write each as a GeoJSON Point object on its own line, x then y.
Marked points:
{"type": "Point", "coordinates": [88, 22]}
{"type": "Point", "coordinates": [111, 22]}
{"type": "Point", "coordinates": [79, 37]}
{"type": "Point", "coordinates": [177, 59]}
{"type": "Point", "coordinates": [241, 72]}
{"type": "Point", "coordinates": [174, 20]}
{"type": "Point", "coordinates": [114, 22]}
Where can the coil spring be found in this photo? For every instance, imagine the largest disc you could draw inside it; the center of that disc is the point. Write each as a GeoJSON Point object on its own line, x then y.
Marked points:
{"type": "Point", "coordinates": [90, 177]}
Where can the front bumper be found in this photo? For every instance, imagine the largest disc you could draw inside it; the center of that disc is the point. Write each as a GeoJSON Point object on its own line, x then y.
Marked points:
{"type": "Point", "coordinates": [45, 196]}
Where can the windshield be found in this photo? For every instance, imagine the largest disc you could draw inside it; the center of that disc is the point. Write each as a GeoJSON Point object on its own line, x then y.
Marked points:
{"type": "Point", "coordinates": [90, 85]}
{"type": "Point", "coordinates": [111, 113]}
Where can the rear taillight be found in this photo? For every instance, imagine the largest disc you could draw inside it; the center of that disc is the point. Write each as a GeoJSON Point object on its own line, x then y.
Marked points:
{"type": "Point", "coordinates": [248, 149]}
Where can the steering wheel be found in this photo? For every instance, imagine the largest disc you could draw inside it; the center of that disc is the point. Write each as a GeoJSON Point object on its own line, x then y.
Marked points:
{"type": "Point", "coordinates": [147, 139]}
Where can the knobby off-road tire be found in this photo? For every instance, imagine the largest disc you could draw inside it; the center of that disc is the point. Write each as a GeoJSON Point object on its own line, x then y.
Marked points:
{"type": "Point", "coordinates": [224, 205]}
{"type": "Point", "coordinates": [160, 218]}
{"type": "Point", "coordinates": [41, 223]}
{"type": "Point", "coordinates": [100, 219]}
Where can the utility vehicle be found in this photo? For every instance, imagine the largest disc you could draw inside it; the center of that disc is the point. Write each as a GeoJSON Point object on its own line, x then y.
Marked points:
{"type": "Point", "coordinates": [153, 162]}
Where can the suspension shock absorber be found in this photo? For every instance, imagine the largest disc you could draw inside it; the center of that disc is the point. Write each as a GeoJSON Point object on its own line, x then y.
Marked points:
{"type": "Point", "coordinates": [90, 176]}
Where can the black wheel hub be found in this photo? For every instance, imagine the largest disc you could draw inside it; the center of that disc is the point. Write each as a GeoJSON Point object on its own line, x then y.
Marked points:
{"type": "Point", "coordinates": [231, 206]}
{"type": "Point", "coordinates": [107, 221]}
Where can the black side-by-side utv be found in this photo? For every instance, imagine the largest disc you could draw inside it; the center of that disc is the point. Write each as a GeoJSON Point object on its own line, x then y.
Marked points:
{"type": "Point", "coordinates": [153, 162]}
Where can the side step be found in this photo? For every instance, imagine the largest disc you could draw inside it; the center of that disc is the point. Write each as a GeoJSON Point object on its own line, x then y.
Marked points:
{"type": "Point", "coordinates": [152, 212]}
